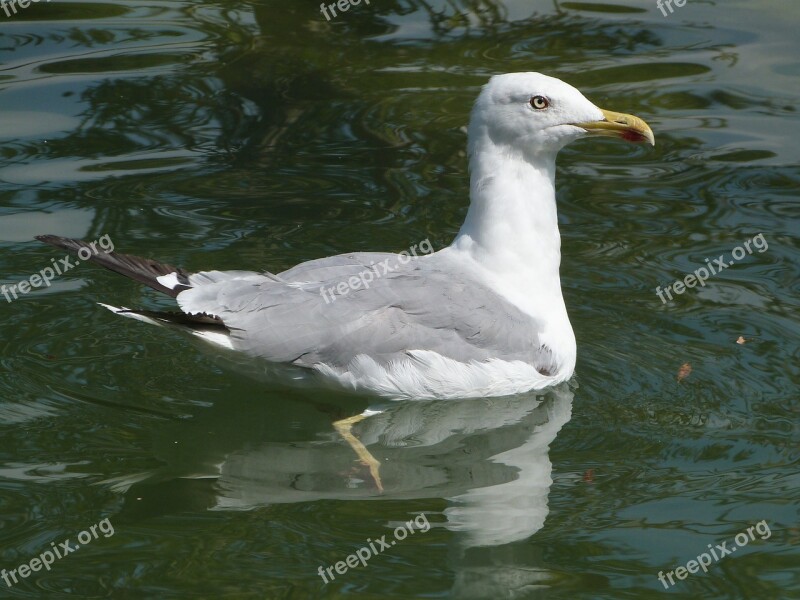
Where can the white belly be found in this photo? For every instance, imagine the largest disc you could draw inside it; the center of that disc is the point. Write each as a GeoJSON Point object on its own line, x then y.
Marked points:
{"type": "Point", "coordinates": [424, 374]}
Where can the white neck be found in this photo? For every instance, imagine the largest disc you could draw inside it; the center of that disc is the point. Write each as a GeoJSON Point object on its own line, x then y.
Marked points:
{"type": "Point", "coordinates": [511, 233]}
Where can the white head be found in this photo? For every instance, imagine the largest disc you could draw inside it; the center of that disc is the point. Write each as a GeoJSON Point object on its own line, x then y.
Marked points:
{"type": "Point", "coordinates": [533, 114]}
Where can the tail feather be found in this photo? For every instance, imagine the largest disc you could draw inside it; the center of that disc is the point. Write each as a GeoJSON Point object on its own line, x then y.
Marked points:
{"type": "Point", "coordinates": [207, 327]}
{"type": "Point", "coordinates": [197, 322]}
{"type": "Point", "coordinates": [143, 270]}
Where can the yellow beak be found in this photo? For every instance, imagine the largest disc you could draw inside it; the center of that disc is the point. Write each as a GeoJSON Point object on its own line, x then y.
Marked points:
{"type": "Point", "coordinates": [620, 125]}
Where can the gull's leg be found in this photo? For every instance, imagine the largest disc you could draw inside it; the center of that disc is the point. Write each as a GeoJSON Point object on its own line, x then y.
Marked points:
{"type": "Point", "coordinates": [344, 427]}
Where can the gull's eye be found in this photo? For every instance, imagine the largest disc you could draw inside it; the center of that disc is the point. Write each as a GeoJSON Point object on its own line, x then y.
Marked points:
{"type": "Point", "coordinates": [539, 102]}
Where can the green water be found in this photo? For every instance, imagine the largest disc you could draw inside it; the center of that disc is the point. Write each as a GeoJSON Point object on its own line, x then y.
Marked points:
{"type": "Point", "coordinates": [225, 135]}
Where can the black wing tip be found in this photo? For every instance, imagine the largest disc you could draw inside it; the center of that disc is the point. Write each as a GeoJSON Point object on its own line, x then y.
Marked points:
{"type": "Point", "coordinates": [48, 238]}
{"type": "Point", "coordinates": [60, 241]}
{"type": "Point", "coordinates": [144, 270]}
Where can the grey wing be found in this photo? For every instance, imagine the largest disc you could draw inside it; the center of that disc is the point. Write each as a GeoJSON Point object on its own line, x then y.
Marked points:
{"type": "Point", "coordinates": [425, 304]}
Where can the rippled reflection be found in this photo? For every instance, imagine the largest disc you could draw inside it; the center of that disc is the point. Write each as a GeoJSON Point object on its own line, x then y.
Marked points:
{"type": "Point", "coordinates": [487, 457]}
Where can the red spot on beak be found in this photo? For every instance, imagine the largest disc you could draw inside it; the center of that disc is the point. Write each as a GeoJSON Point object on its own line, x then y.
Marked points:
{"type": "Point", "coordinates": [632, 136]}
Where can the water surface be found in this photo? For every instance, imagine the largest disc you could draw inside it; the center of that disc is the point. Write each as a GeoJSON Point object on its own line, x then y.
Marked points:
{"type": "Point", "coordinates": [257, 135]}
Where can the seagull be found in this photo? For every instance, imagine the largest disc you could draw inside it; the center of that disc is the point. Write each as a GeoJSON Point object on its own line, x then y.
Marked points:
{"type": "Point", "coordinates": [484, 316]}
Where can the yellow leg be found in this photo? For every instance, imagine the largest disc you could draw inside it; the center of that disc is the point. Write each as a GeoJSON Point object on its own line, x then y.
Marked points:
{"type": "Point", "coordinates": [344, 427]}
